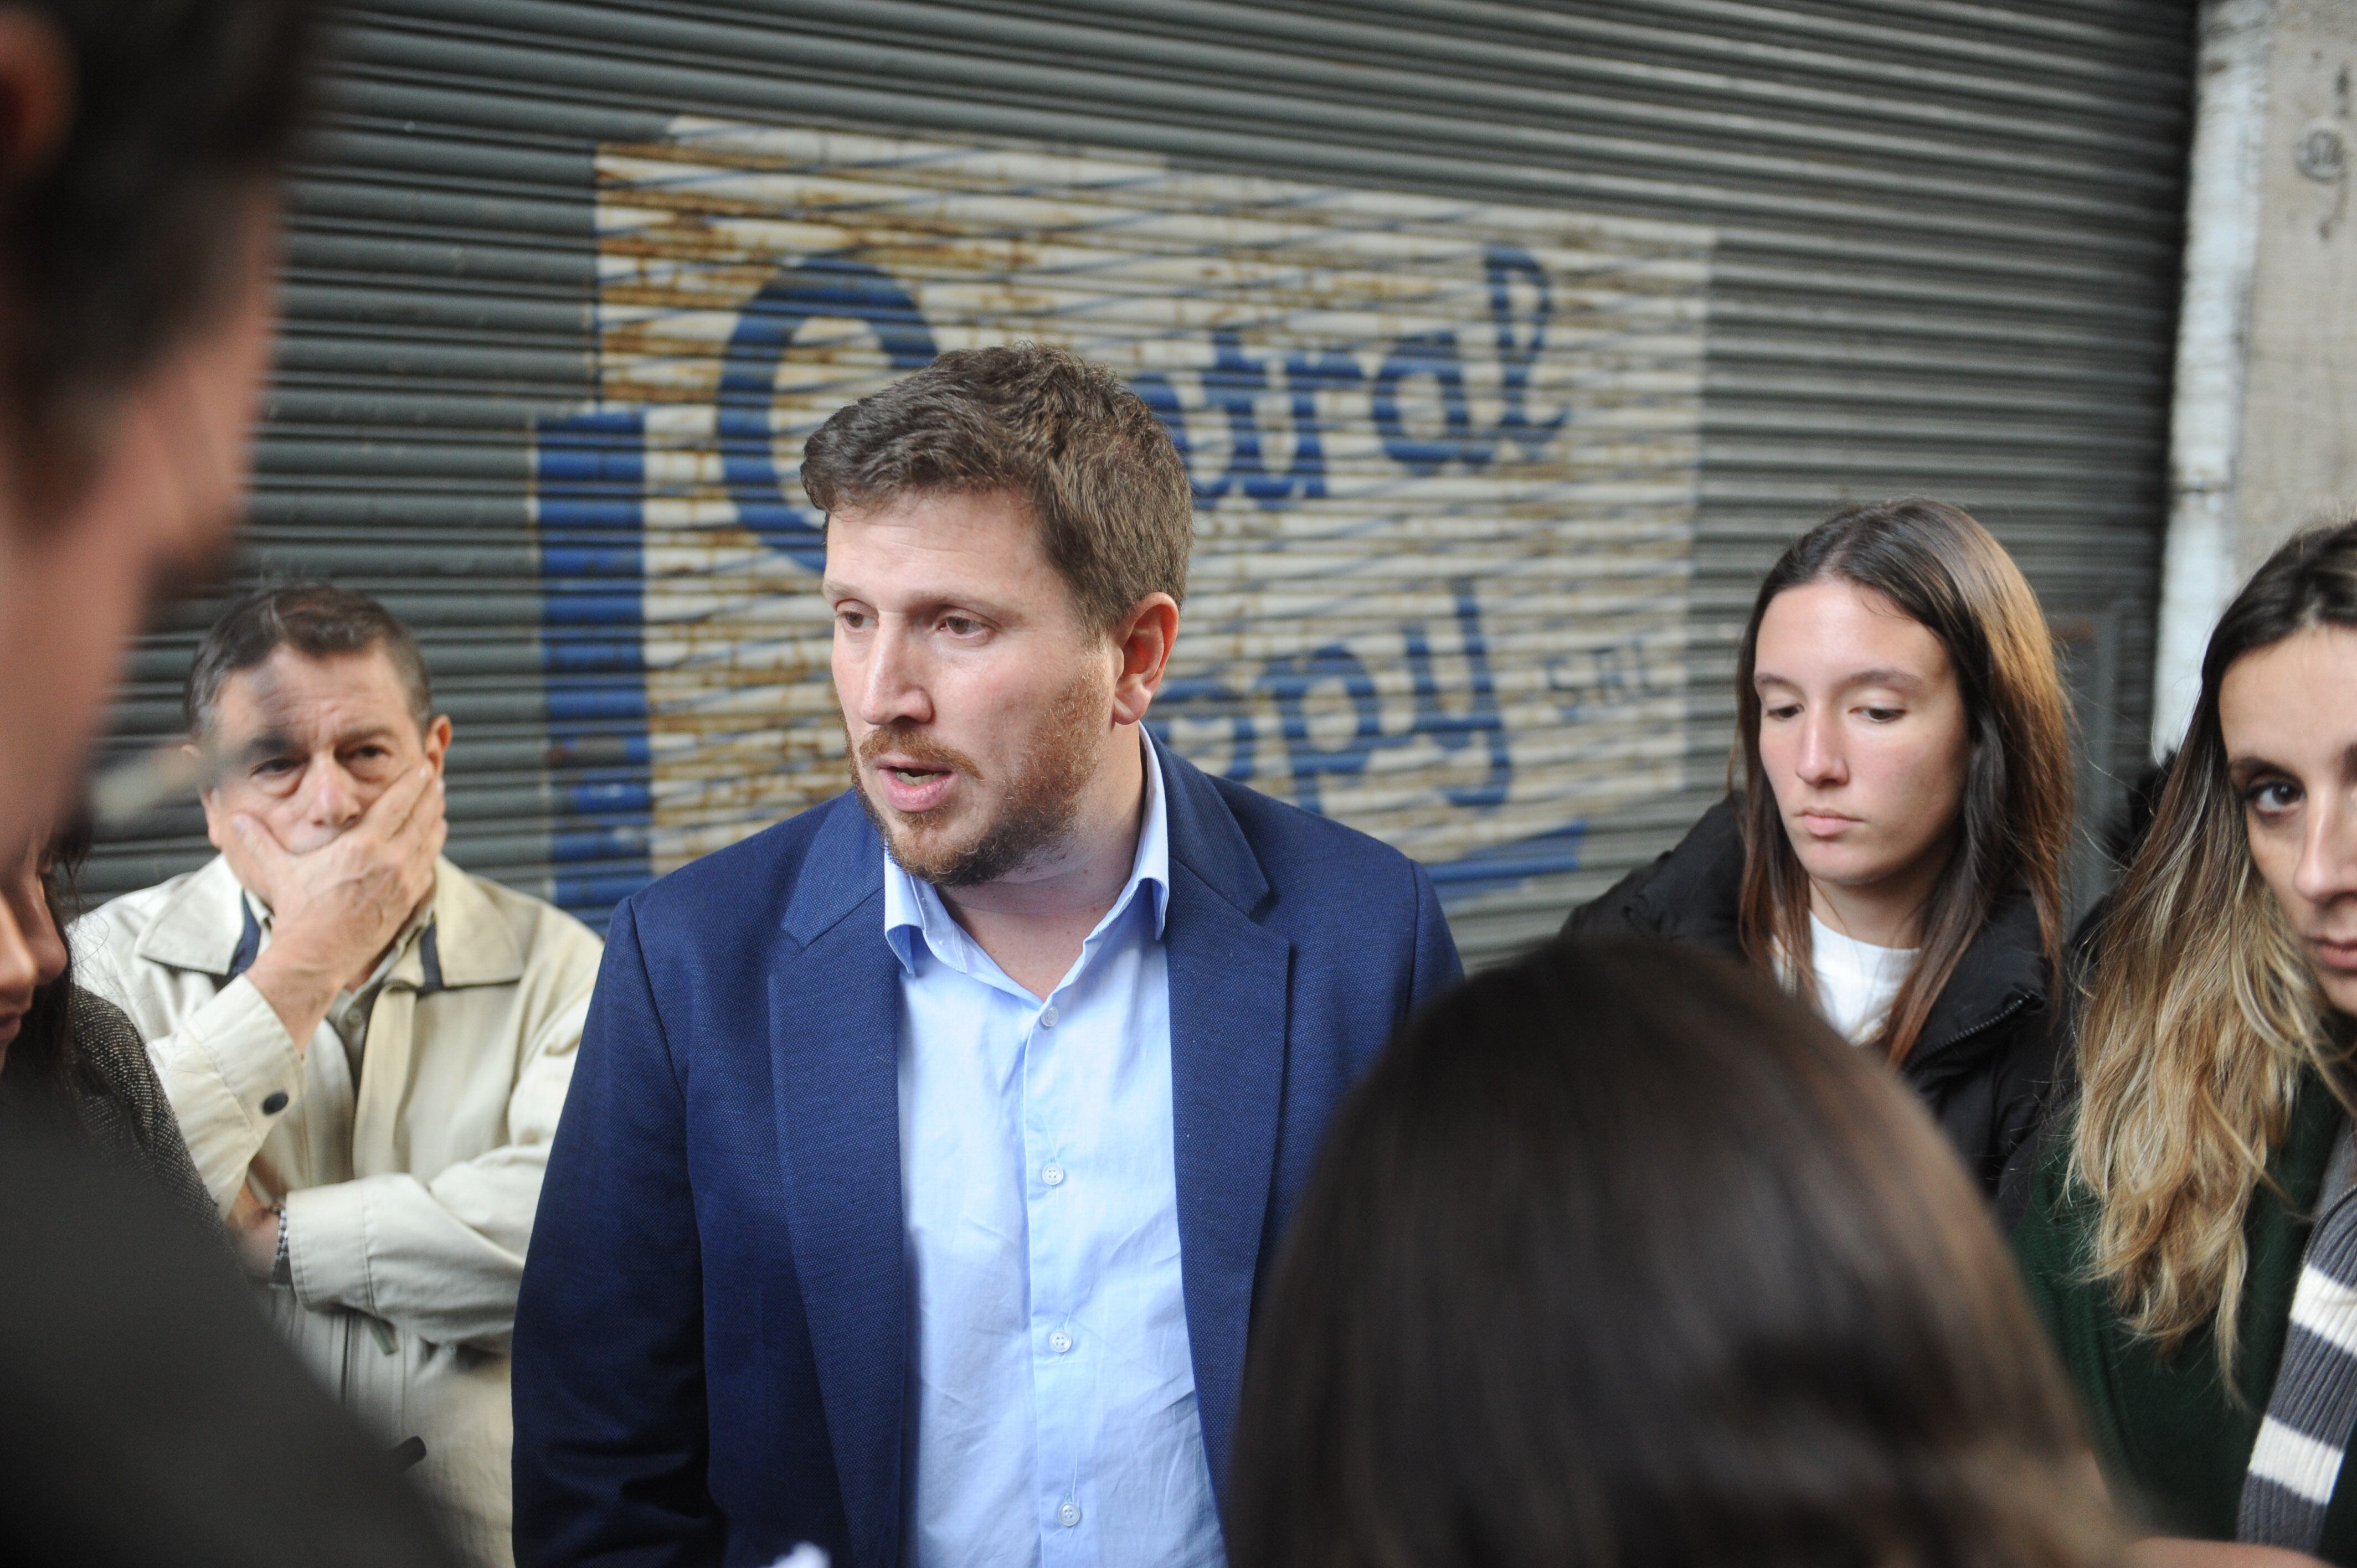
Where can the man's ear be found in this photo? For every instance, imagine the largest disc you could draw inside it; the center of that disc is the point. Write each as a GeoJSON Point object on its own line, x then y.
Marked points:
{"type": "Point", "coordinates": [437, 741]}
{"type": "Point", "coordinates": [1144, 640]}
{"type": "Point", "coordinates": [216, 819]}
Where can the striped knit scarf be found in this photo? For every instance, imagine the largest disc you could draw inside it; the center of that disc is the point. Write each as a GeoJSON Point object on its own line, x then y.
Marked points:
{"type": "Point", "coordinates": [2313, 1411]}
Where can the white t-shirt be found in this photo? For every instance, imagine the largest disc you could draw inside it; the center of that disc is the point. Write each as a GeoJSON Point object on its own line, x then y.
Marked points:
{"type": "Point", "coordinates": [1856, 981]}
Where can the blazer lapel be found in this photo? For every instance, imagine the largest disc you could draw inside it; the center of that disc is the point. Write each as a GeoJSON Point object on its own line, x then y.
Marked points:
{"type": "Point", "coordinates": [1229, 992]}
{"type": "Point", "coordinates": [834, 1011]}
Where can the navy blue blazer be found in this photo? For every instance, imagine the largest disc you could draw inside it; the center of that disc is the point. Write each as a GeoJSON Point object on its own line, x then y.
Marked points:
{"type": "Point", "coordinates": [711, 1358]}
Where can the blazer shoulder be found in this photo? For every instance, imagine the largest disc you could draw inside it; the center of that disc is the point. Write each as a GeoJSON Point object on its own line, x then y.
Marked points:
{"type": "Point", "coordinates": [1296, 848]}
{"type": "Point", "coordinates": [744, 884]}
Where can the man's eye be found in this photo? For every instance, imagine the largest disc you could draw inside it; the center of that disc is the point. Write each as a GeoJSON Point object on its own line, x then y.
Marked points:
{"type": "Point", "coordinates": [277, 768]}
{"type": "Point", "coordinates": [960, 626]}
{"type": "Point", "coordinates": [851, 621]}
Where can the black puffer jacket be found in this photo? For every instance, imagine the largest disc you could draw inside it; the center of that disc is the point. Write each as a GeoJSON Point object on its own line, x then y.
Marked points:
{"type": "Point", "coordinates": [1985, 1061]}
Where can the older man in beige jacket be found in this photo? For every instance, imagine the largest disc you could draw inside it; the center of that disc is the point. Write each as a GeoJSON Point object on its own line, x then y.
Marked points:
{"type": "Point", "coordinates": [367, 1049]}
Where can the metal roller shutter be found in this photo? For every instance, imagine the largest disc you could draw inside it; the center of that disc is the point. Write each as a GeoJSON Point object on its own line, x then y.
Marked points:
{"type": "Point", "coordinates": [1802, 252]}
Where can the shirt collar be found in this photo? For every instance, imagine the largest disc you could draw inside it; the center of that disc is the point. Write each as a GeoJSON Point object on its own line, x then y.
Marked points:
{"type": "Point", "coordinates": [913, 909]}
{"type": "Point", "coordinates": [420, 922]}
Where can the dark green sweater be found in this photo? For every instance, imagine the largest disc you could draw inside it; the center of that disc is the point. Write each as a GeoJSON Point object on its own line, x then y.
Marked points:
{"type": "Point", "coordinates": [2174, 1442]}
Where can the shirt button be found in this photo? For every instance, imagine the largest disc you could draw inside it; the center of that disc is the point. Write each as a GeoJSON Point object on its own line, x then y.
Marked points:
{"type": "Point", "coordinates": [1060, 1342]}
{"type": "Point", "coordinates": [1068, 1515]}
{"type": "Point", "coordinates": [1053, 1175]}
{"type": "Point", "coordinates": [1047, 1017]}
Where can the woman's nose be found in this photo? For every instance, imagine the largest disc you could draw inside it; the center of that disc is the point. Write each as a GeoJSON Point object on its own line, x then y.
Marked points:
{"type": "Point", "coordinates": [1821, 760]}
{"type": "Point", "coordinates": [20, 965]}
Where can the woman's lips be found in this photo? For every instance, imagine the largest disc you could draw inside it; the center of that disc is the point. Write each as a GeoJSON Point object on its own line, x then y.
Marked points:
{"type": "Point", "coordinates": [1826, 824]}
{"type": "Point", "coordinates": [913, 791]}
{"type": "Point", "coordinates": [2340, 956]}
{"type": "Point", "coordinates": [9, 1023]}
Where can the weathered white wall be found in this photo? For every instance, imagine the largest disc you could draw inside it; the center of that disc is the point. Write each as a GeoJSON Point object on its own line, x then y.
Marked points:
{"type": "Point", "coordinates": [2263, 436]}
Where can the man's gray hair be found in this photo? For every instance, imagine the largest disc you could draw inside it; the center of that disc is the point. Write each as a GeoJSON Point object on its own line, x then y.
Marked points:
{"type": "Point", "coordinates": [318, 621]}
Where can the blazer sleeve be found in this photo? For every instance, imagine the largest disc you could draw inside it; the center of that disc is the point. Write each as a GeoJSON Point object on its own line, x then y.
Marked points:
{"type": "Point", "coordinates": [608, 1363]}
{"type": "Point", "coordinates": [1436, 964]}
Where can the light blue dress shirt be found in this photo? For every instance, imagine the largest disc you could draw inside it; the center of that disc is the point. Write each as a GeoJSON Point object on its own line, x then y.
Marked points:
{"type": "Point", "coordinates": [1054, 1397]}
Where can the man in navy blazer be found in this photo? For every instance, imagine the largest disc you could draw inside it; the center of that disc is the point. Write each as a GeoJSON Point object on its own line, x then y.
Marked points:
{"type": "Point", "coordinates": [926, 1152]}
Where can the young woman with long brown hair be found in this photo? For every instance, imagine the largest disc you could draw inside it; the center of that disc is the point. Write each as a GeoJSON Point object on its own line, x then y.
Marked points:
{"type": "Point", "coordinates": [2193, 1242]}
{"type": "Point", "coordinates": [1894, 852]}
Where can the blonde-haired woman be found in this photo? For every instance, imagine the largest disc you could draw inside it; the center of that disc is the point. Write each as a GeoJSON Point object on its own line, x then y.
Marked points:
{"type": "Point", "coordinates": [2193, 1244]}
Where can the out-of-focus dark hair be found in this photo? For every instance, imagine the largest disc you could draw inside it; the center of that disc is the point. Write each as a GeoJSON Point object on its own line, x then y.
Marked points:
{"type": "Point", "coordinates": [182, 114]}
{"type": "Point", "coordinates": [1620, 1258]}
{"type": "Point", "coordinates": [318, 621]}
{"type": "Point", "coordinates": [40, 1058]}
{"type": "Point", "coordinates": [1946, 573]}
{"type": "Point", "coordinates": [1099, 472]}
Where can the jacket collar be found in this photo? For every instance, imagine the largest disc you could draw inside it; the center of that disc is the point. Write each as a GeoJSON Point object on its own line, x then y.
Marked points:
{"type": "Point", "coordinates": [205, 927]}
{"type": "Point", "coordinates": [1696, 893]}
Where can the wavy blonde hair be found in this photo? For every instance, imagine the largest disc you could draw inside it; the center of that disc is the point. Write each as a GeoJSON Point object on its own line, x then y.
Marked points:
{"type": "Point", "coordinates": [2203, 1015]}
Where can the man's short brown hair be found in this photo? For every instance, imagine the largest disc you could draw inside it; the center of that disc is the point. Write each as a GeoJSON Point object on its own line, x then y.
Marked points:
{"type": "Point", "coordinates": [1085, 453]}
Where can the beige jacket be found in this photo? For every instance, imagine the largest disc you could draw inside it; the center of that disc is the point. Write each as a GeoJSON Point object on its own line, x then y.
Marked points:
{"type": "Point", "coordinates": [409, 1195]}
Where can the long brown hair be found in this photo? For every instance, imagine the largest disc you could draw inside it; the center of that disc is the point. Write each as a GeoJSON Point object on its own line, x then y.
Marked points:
{"type": "Point", "coordinates": [1619, 1256]}
{"type": "Point", "coordinates": [1944, 571]}
{"type": "Point", "coordinates": [2203, 1015]}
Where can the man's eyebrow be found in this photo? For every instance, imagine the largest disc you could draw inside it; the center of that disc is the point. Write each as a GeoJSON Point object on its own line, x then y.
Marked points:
{"type": "Point", "coordinates": [931, 601]}
{"type": "Point", "coordinates": [269, 744]}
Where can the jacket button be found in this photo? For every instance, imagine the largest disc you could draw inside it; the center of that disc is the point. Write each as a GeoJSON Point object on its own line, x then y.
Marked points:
{"type": "Point", "coordinates": [275, 1103]}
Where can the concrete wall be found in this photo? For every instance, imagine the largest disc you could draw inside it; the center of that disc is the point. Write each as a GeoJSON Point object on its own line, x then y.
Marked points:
{"type": "Point", "coordinates": [2263, 437]}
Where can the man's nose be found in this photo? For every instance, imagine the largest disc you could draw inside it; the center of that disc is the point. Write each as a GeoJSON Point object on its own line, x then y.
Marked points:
{"type": "Point", "coordinates": [891, 686]}
{"type": "Point", "coordinates": [2327, 851]}
{"type": "Point", "coordinates": [333, 797]}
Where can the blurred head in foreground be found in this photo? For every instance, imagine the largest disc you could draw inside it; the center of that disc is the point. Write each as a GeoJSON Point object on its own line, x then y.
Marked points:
{"type": "Point", "coordinates": [140, 143]}
{"type": "Point", "coordinates": [1621, 1257]}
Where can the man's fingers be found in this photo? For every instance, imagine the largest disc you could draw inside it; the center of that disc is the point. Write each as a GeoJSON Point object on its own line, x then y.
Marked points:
{"type": "Point", "coordinates": [392, 810]}
{"type": "Point", "coordinates": [418, 827]}
{"type": "Point", "coordinates": [254, 837]}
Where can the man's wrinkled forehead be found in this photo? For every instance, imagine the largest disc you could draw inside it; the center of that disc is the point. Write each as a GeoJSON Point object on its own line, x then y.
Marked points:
{"type": "Point", "coordinates": [292, 702]}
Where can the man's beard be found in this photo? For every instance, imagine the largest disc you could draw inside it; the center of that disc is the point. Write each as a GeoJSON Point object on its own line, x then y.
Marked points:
{"type": "Point", "coordinates": [1035, 812]}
